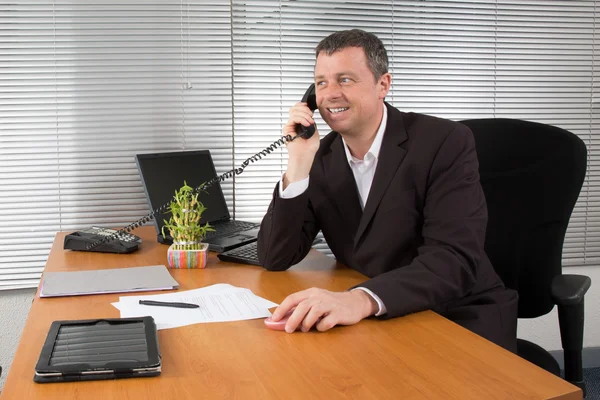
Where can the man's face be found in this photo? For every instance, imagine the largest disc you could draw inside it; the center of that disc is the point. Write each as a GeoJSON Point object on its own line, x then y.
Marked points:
{"type": "Point", "coordinates": [348, 96]}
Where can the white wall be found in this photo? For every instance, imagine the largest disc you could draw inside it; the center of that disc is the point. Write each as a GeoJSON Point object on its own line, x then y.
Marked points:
{"type": "Point", "coordinates": [14, 307]}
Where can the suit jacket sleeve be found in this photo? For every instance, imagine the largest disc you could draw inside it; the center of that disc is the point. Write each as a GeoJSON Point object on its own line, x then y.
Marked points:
{"type": "Point", "coordinates": [454, 223]}
{"type": "Point", "coordinates": [286, 232]}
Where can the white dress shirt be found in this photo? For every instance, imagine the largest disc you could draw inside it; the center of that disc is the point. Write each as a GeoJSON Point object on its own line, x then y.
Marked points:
{"type": "Point", "coordinates": [364, 171]}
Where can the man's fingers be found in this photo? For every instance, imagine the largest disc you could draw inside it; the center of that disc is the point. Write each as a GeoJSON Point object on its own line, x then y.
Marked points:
{"type": "Point", "coordinates": [300, 114]}
{"type": "Point", "coordinates": [304, 120]}
{"type": "Point", "coordinates": [297, 317]}
{"type": "Point", "coordinates": [280, 311]}
{"type": "Point", "coordinates": [321, 309]}
{"type": "Point", "coordinates": [326, 323]}
{"type": "Point", "coordinates": [313, 316]}
{"type": "Point", "coordinates": [288, 304]}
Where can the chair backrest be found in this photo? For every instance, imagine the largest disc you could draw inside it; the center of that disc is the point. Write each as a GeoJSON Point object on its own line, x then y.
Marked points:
{"type": "Point", "coordinates": [531, 175]}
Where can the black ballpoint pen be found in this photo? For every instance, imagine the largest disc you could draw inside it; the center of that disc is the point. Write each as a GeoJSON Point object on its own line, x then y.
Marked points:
{"type": "Point", "coordinates": [168, 304]}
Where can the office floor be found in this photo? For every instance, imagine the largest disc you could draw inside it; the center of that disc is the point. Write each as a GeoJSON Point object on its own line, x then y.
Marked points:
{"type": "Point", "coordinates": [591, 376]}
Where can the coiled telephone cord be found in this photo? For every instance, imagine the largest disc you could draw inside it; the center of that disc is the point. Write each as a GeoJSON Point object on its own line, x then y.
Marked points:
{"type": "Point", "coordinates": [159, 210]}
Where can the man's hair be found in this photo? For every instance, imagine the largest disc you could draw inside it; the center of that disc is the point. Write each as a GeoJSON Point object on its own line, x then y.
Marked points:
{"type": "Point", "coordinates": [377, 59]}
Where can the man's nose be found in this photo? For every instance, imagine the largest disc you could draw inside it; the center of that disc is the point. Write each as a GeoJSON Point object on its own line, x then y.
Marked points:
{"type": "Point", "coordinates": [332, 91]}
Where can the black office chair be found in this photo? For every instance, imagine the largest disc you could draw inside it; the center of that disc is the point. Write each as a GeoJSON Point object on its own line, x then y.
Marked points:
{"type": "Point", "coordinates": [531, 175]}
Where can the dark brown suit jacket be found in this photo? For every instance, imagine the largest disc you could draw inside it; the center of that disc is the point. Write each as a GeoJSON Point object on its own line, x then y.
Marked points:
{"type": "Point", "coordinates": [420, 237]}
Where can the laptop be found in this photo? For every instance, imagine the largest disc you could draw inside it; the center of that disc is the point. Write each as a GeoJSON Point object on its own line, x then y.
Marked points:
{"type": "Point", "coordinates": [164, 173]}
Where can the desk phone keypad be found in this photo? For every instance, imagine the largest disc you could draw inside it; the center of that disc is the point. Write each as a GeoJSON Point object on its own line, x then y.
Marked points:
{"type": "Point", "coordinates": [126, 237]}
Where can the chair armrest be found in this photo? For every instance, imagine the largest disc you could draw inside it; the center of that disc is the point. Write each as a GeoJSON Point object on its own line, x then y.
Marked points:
{"type": "Point", "coordinates": [568, 290]}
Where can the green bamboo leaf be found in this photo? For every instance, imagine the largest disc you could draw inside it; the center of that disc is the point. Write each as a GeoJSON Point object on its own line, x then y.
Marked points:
{"type": "Point", "coordinates": [186, 212]}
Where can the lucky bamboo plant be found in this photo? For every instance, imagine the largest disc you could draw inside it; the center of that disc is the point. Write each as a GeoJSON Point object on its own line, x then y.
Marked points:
{"type": "Point", "coordinates": [184, 223]}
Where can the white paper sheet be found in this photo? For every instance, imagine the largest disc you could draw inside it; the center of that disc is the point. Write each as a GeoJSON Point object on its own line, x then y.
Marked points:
{"type": "Point", "coordinates": [218, 303]}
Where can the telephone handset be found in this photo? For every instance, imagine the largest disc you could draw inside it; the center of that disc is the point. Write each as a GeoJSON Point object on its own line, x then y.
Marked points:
{"type": "Point", "coordinates": [83, 240]}
{"type": "Point", "coordinates": [310, 98]}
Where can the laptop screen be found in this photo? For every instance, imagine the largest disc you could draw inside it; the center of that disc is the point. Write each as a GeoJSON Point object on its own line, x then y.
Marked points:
{"type": "Point", "coordinates": [163, 173]}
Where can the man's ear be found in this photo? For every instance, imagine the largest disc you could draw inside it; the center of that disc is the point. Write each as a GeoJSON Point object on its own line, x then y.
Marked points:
{"type": "Point", "coordinates": [383, 84]}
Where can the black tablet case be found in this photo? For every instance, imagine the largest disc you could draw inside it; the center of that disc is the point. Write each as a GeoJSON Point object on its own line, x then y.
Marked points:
{"type": "Point", "coordinates": [99, 349]}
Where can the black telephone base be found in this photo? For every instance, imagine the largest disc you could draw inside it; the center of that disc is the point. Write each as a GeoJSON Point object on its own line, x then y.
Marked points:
{"type": "Point", "coordinates": [79, 241]}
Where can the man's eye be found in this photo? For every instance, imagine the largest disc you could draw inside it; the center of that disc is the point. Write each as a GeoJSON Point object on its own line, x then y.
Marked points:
{"type": "Point", "coordinates": [345, 80]}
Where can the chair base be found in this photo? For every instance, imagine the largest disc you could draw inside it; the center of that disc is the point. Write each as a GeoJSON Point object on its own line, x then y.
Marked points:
{"type": "Point", "coordinates": [538, 356]}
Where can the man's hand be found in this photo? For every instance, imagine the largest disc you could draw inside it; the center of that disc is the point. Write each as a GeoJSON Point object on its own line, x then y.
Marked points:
{"type": "Point", "coordinates": [325, 309]}
{"type": "Point", "coordinates": [301, 151]}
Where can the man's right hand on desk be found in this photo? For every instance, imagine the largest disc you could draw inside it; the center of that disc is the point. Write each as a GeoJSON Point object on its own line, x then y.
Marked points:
{"type": "Point", "coordinates": [324, 309]}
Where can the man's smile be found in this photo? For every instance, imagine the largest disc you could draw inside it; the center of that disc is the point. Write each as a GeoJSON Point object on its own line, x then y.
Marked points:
{"type": "Point", "coordinates": [337, 110]}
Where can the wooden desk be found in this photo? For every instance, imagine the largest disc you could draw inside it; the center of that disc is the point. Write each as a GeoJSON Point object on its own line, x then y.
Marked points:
{"type": "Point", "coordinates": [421, 356]}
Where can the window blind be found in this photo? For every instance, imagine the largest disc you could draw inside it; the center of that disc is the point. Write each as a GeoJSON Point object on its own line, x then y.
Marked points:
{"type": "Point", "coordinates": [85, 86]}
{"type": "Point", "coordinates": [533, 60]}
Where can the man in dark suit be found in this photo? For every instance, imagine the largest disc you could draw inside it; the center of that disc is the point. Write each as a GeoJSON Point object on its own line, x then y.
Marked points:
{"type": "Point", "coordinates": [397, 197]}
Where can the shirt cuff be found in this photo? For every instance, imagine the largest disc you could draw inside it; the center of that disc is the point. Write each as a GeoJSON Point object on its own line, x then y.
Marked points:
{"type": "Point", "coordinates": [382, 309]}
{"type": "Point", "coordinates": [294, 189]}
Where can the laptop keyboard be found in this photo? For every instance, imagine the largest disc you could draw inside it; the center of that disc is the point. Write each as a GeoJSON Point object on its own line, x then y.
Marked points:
{"type": "Point", "coordinates": [229, 227]}
{"type": "Point", "coordinates": [246, 254]}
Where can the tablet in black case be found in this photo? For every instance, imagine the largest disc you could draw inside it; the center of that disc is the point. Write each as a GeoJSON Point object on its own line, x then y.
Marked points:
{"type": "Point", "coordinates": [95, 349]}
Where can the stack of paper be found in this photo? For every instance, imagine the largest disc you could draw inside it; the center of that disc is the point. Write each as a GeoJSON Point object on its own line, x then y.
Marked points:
{"type": "Point", "coordinates": [218, 303]}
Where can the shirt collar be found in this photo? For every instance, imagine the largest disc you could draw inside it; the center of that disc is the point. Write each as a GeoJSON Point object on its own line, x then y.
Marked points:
{"type": "Point", "coordinates": [375, 146]}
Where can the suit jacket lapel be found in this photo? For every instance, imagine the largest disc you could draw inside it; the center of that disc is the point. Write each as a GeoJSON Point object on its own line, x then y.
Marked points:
{"type": "Point", "coordinates": [390, 158]}
{"type": "Point", "coordinates": [342, 184]}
